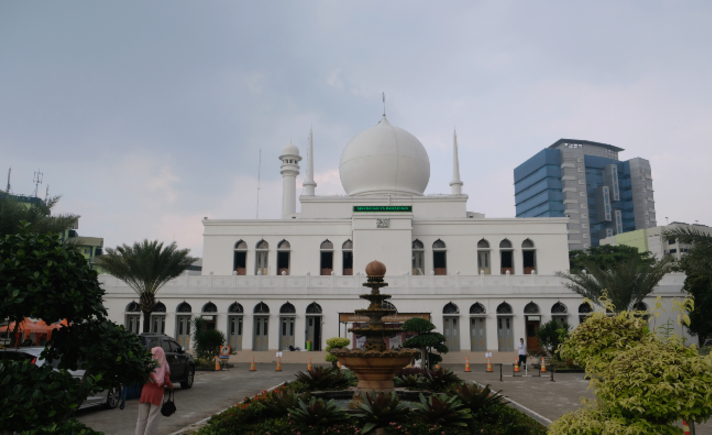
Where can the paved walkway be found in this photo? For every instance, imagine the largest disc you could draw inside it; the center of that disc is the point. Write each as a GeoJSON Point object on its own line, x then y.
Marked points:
{"type": "Point", "coordinates": [211, 393]}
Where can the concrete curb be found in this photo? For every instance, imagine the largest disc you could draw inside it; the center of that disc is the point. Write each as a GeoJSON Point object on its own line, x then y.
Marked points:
{"type": "Point", "coordinates": [535, 415]}
{"type": "Point", "coordinates": [198, 424]}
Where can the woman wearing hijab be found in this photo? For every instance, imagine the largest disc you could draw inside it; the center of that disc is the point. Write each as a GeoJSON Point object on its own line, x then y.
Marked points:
{"type": "Point", "coordinates": [149, 409]}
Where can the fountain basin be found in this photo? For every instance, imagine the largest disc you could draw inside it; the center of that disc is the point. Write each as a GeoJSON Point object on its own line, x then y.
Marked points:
{"type": "Point", "coordinates": [373, 369]}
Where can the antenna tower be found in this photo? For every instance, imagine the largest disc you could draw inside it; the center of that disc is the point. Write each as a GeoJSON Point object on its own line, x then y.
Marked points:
{"type": "Point", "coordinates": [37, 179]}
{"type": "Point", "coordinates": [259, 184]}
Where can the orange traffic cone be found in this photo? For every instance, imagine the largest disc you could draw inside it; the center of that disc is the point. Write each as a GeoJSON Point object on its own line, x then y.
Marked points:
{"type": "Point", "coordinates": [516, 365]}
{"type": "Point", "coordinates": [309, 366]}
{"type": "Point", "coordinates": [252, 366]}
{"type": "Point", "coordinates": [217, 363]}
{"type": "Point", "coordinates": [685, 428]}
{"type": "Point", "coordinates": [543, 365]}
{"type": "Point", "coordinates": [489, 365]}
{"type": "Point", "coordinates": [467, 364]}
{"type": "Point", "coordinates": [279, 365]}
{"type": "Point", "coordinates": [338, 364]}
{"type": "Point", "coordinates": [437, 366]}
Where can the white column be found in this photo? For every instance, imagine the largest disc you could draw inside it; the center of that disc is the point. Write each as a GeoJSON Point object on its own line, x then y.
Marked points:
{"type": "Point", "coordinates": [309, 183]}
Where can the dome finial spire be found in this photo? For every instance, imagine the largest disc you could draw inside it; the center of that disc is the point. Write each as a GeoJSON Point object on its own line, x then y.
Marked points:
{"type": "Point", "coordinates": [384, 104]}
{"type": "Point", "coordinates": [309, 184]}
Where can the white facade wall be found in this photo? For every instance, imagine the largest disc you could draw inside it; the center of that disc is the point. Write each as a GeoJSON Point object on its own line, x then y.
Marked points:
{"type": "Point", "coordinates": [335, 294]}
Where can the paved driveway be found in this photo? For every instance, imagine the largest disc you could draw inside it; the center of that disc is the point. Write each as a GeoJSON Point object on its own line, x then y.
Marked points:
{"type": "Point", "coordinates": [211, 393]}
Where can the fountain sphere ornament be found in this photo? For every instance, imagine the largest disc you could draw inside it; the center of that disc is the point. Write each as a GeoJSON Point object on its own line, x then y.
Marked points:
{"type": "Point", "coordinates": [375, 365]}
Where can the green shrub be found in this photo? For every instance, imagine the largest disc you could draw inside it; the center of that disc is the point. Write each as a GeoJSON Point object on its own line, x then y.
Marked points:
{"type": "Point", "coordinates": [591, 420]}
{"type": "Point", "coordinates": [504, 420]}
{"type": "Point", "coordinates": [476, 398]}
{"type": "Point", "coordinates": [335, 343]}
{"type": "Point", "coordinates": [282, 399]}
{"type": "Point", "coordinates": [442, 410]}
{"type": "Point", "coordinates": [317, 379]}
{"type": "Point", "coordinates": [439, 380]}
{"type": "Point", "coordinates": [316, 412]}
{"type": "Point", "coordinates": [69, 427]}
{"type": "Point", "coordinates": [412, 382]}
{"type": "Point", "coordinates": [380, 409]}
{"type": "Point", "coordinates": [207, 341]}
{"type": "Point", "coordinates": [552, 334]}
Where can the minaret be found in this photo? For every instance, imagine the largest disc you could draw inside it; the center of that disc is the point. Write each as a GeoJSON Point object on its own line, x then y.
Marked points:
{"type": "Point", "coordinates": [309, 183]}
{"type": "Point", "coordinates": [290, 169]}
{"type": "Point", "coordinates": [456, 184]}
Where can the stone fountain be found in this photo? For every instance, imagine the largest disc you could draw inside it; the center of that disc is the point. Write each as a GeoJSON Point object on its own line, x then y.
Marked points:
{"type": "Point", "coordinates": [375, 366]}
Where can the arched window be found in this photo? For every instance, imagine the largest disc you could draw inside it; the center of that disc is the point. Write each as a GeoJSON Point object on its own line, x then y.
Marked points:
{"type": "Point", "coordinates": [558, 308]}
{"type": "Point", "coordinates": [283, 255]}
{"type": "Point", "coordinates": [585, 310]}
{"type": "Point", "coordinates": [506, 256]}
{"type": "Point", "coordinates": [327, 257]}
{"type": "Point", "coordinates": [451, 308]}
{"type": "Point", "coordinates": [386, 305]}
{"type": "Point", "coordinates": [531, 308]}
{"type": "Point", "coordinates": [640, 306]}
{"type": "Point", "coordinates": [287, 309]}
{"type": "Point", "coordinates": [483, 257]}
{"type": "Point", "coordinates": [418, 258]}
{"type": "Point", "coordinates": [261, 308]}
{"type": "Point", "coordinates": [235, 308]}
{"type": "Point", "coordinates": [640, 310]}
{"type": "Point", "coordinates": [133, 307]}
{"type": "Point", "coordinates": [210, 308]}
{"type": "Point", "coordinates": [314, 308]}
{"type": "Point", "coordinates": [261, 257]}
{"type": "Point", "coordinates": [439, 258]}
{"type": "Point", "coordinates": [239, 259]}
{"type": "Point", "coordinates": [184, 307]}
{"type": "Point", "coordinates": [504, 308]}
{"type": "Point", "coordinates": [159, 308]}
{"type": "Point", "coordinates": [528, 257]}
{"type": "Point", "coordinates": [347, 254]}
{"type": "Point", "coordinates": [477, 308]}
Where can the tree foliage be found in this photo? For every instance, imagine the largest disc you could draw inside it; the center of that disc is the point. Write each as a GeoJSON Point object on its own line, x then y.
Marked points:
{"type": "Point", "coordinates": [604, 256]}
{"type": "Point", "coordinates": [426, 340]}
{"type": "Point", "coordinates": [644, 384]}
{"type": "Point", "coordinates": [625, 283]}
{"type": "Point", "coordinates": [697, 265]}
{"type": "Point", "coordinates": [42, 278]}
{"type": "Point", "coordinates": [552, 334]}
{"type": "Point", "coordinates": [335, 343]}
{"type": "Point", "coordinates": [38, 215]}
{"type": "Point", "coordinates": [207, 341]}
{"type": "Point", "coordinates": [146, 267]}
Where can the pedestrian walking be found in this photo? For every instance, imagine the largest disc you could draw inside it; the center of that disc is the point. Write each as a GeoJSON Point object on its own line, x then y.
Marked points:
{"type": "Point", "coordinates": [522, 347]}
{"type": "Point", "coordinates": [149, 408]}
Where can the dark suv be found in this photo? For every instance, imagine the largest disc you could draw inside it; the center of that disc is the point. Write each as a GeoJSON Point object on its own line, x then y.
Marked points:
{"type": "Point", "coordinates": [181, 362]}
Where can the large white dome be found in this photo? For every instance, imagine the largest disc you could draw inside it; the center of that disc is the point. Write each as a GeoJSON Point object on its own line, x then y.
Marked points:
{"type": "Point", "coordinates": [384, 159]}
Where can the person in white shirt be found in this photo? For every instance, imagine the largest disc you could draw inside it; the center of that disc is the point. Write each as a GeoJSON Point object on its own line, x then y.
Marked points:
{"type": "Point", "coordinates": [522, 347]}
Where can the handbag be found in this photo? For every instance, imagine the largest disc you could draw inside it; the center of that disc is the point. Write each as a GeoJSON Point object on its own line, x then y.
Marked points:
{"type": "Point", "coordinates": [168, 408]}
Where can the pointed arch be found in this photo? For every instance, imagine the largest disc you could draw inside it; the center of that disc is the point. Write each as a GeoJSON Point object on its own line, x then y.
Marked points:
{"type": "Point", "coordinates": [326, 257]}
{"type": "Point", "coordinates": [483, 244]}
{"type": "Point", "coordinates": [531, 308]}
{"type": "Point", "coordinates": [504, 308]}
{"type": "Point", "coordinates": [418, 258]}
{"type": "Point", "coordinates": [284, 246]}
{"type": "Point", "coordinates": [240, 245]}
{"type": "Point", "coordinates": [484, 258]}
{"type": "Point", "coordinates": [477, 308]}
{"type": "Point", "coordinates": [585, 308]}
{"type": "Point", "coordinates": [235, 308]}
{"type": "Point", "coordinates": [439, 257]}
{"type": "Point", "coordinates": [347, 258]}
{"type": "Point", "coordinates": [210, 308]}
{"type": "Point", "coordinates": [314, 308]}
{"type": "Point", "coordinates": [287, 308]}
{"type": "Point", "coordinates": [505, 244]}
{"type": "Point", "coordinates": [262, 244]}
{"type": "Point", "coordinates": [528, 257]}
{"type": "Point", "coordinates": [283, 257]}
{"type": "Point", "coordinates": [261, 308]}
{"type": "Point", "coordinates": [159, 308]}
{"type": "Point", "coordinates": [387, 305]}
{"type": "Point", "coordinates": [133, 307]}
{"type": "Point", "coordinates": [239, 258]}
{"type": "Point", "coordinates": [417, 244]}
{"type": "Point", "coordinates": [559, 308]}
{"type": "Point", "coordinates": [348, 245]}
{"type": "Point", "coordinates": [451, 308]}
{"type": "Point", "coordinates": [262, 257]}
{"type": "Point", "coordinates": [184, 307]}
{"type": "Point", "coordinates": [506, 257]}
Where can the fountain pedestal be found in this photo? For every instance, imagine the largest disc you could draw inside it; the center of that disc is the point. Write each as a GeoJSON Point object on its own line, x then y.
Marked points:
{"type": "Point", "coordinates": [375, 366]}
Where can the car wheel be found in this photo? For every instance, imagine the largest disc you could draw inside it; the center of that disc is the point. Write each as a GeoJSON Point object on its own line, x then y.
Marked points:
{"type": "Point", "coordinates": [113, 397]}
{"type": "Point", "coordinates": [188, 383]}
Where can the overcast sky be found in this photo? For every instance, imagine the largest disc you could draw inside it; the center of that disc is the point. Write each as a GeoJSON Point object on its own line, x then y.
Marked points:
{"type": "Point", "coordinates": [148, 116]}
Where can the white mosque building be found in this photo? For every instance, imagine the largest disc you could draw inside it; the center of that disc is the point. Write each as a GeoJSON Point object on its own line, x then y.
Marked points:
{"type": "Point", "coordinates": [269, 284]}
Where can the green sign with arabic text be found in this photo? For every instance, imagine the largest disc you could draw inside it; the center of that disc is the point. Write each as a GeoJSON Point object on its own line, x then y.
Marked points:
{"type": "Point", "coordinates": [383, 209]}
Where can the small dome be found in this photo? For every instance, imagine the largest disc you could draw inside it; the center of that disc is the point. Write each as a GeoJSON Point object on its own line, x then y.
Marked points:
{"type": "Point", "coordinates": [290, 150]}
{"type": "Point", "coordinates": [384, 159]}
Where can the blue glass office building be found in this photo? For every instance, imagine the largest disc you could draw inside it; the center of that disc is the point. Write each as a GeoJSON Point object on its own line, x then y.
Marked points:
{"type": "Point", "coordinates": [585, 181]}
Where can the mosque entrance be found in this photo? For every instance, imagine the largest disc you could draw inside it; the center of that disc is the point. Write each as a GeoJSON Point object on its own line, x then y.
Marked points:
{"type": "Point", "coordinates": [183, 331]}
{"type": "Point", "coordinates": [286, 332]}
{"type": "Point", "coordinates": [505, 334]}
{"type": "Point", "coordinates": [133, 321]}
{"type": "Point", "coordinates": [450, 331]}
{"type": "Point", "coordinates": [261, 339]}
{"type": "Point", "coordinates": [234, 327]}
{"type": "Point", "coordinates": [477, 334]}
{"type": "Point", "coordinates": [314, 332]}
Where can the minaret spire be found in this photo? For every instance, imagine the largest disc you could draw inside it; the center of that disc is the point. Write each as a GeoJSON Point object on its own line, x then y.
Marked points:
{"type": "Point", "coordinates": [309, 183]}
{"type": "Point", "coordinates": [456, 184]}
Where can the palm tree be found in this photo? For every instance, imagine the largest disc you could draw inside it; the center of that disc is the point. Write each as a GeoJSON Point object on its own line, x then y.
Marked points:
{"type": "Point", "coordinates": [626, 284]}
{"type": "Point", "coordinates": [38, 215]}
{"type": "Point", "coordinates": [699, 260]}
{"type": "Point", "coordinates": [146, 267]}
